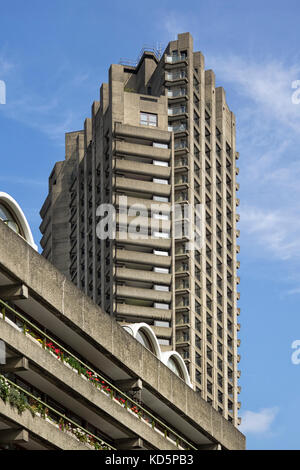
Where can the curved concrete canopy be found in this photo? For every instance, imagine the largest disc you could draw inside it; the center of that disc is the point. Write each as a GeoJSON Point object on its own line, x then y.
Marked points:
{"type": "Point", "coordinates": [167, 355]}
{"type": "Point", "coordinates": [19, 217]}
{"type": "Point", "coordinates": [135, 328]}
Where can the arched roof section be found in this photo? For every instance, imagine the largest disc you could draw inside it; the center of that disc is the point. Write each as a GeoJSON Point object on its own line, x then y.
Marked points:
{"type": "Point", "coordinates": [144, 334]}
{"type": "Point", "coordinates": [12, 207]}
{"type": "Point", "coordinates": [173, 358]}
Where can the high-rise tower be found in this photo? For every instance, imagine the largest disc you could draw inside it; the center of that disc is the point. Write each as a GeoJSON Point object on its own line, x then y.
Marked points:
{"type": "Point", "coordinates": [161, 134]}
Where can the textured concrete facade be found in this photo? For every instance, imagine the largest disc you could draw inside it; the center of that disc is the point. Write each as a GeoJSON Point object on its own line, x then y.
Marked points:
{"type": "Point", "coordinates": [180, 417]}
{"type": "Point", "coordinates": [186, 155]}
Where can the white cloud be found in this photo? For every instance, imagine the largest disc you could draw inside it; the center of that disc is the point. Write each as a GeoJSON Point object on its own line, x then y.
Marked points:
{"type": "Point", "coordinates": [22, 181]}
{"type": "Point", "coordinates": [268, 139]}
{"type": "Point", "coordinates": [48, 114]}
{"type": "Point", "coordinates": [268, 84]}
{"type": "Point", "coordinates": [173, 25]}
{"type": "Point", "coordinates": [5, 66]}
{"type": "Point", "coordinates": [293, 291]}
{"type": "Point", "coordinates": [276, 231]}
{"type": "Point", "coordinates": [258, 422]}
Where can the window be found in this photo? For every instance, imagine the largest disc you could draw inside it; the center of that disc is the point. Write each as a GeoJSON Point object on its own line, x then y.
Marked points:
{"type": "Point", "coordinates": [142, 338]}
{"type": "Point", "coordinates": [147, 119]}
{"type": "Point", "coordinates": [173, 365]}
{"type": "Point", "coordinates": [7, 217]}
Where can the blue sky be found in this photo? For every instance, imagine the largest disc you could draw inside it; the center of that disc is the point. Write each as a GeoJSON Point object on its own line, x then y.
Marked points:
{"type": "Point", "coordinates": [54, 57]}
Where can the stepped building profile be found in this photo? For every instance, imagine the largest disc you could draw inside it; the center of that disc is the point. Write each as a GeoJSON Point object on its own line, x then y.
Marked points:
{"type": "Point", "coordinates": [161, 135]}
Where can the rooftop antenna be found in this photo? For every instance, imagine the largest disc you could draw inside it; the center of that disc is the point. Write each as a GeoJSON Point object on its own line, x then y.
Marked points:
{"type": "Point", "coordinates": [159, 49]}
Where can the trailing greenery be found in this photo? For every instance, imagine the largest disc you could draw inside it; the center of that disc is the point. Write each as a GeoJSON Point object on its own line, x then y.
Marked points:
{"type": "Point", "coordinates": [66, 357]}
{"type": "Point", "coordinates": [13, 396]}
{"type": "Point", "coordinates": [17, 399]}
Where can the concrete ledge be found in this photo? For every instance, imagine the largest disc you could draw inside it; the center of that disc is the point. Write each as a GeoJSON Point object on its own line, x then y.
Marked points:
{"type": "Point", "coordinates": [41, 428]}
{"type": "Point", "coordinates": [65, 378]}
{"type": "Point", "coordinates": [63, 298]}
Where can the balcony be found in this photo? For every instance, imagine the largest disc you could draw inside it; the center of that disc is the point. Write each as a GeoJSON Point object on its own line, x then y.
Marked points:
{"type": "Point", "coordinates": [144, 187]}
{"type": "Point", "coordinates": [126, 292]}
{"type": "Point", "coordinates": [151, 133]}
{"type": "Point", "coordinates": [180, 162]}
{"type": "Point", "coordinates": [140, 275]}
{"type": "Point", "coordinates": [178, 76]}
{"type": "Point", "coordinates": [177, 93]}
{"type": "Point", "coordinates": [174, 59]}
{"type": "Point", "coordinates": [143, 258]}
{"type": "Point", "coordinates": [177, 128]}
{"type": "Point", "coordinates": [140, 311]}
{"type": "Point", "coordinates": [180, 146]}
{"type": "Point", "coordinates": [177, 110]}
{"type": "Point", "coordinates": [181, 250]}
{"type": "Point", "coordinates": [76, 374]}
{"type": "Point", "coordinates": [182, 286]}
{"type": "Point", "coordinates": [145, 151]}
{"type": "Point", "coordinates": [130, 167]}
{"type": "Point", "coordinates": [181, 179]}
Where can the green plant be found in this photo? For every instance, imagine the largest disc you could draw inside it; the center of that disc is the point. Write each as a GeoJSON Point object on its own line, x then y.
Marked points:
{"type": "Point", "coordinates": [4, 389]}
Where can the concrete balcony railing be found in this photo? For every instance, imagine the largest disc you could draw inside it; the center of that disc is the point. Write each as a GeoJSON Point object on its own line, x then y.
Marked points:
{"type": "Point", "coordinates": [181, 179]}
{"type": "Point", "coordinates": [140, 275]}
{"type": "Point", "coordinates": [175, 58]}
{"type": "Point", "coordinates": [153, 133]}
{"type": "Point", "coordinates": [177, 128]}
{"type": "Point", "coordinates": [129, 167]}
{"type": "Point", "coordinates": [138, 293]}
{"type": "Point", "coordinates": [182, 285]}
{"type": "Point", "coordinates": [146, 224]}
{"type": "Point", "coordinates": [181, 162]}
{"type": "Point", "coordinates": [176, 110]}
{"type": "Point", "coordinates": [176, 75]}
{"type": "Point", "coordinates": [163, 244]}
{"type": "Point", "coordinates": [143, 258]}
{"type": "Point", "coordinates": [176, 93]}
{"type": "Point", "coordinates": [180, 145]}
{"type": "Point", "coordinates": [181, 197]}
{"type": "Point", "coordinates": [162, 332]}
{"type": "Point", "coordinates": [146, 187]}
{"type": "Point", "coordinates": [145, 151]}
{"type": "Point", "coordinates": [149, 204]}
{"type": "Point", "coordinates": [134, 311]}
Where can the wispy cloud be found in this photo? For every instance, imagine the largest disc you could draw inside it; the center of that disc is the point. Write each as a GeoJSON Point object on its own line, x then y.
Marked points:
{"type": "Point", "coordinates": [5, 65]}
{"type": "Point", "coordinates": [22, 181]}
{"type": "Point", "coordinates": [295, 291]}
{"type": "Point", "coordinates": [258, 422]}
{"type": "Point", "coordinates": [51, 112]}
{"type": "Point", "coordinates": [274, 231]}
{"type": "Point", "coordinates": [47, 116]}
{"type": "Point", "coordinates": [268, 84]}
{"type": "Point", "coordinates": [174, 24]}
{"type": "Point", "coordinates": [268, 141]}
